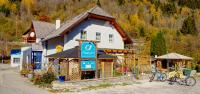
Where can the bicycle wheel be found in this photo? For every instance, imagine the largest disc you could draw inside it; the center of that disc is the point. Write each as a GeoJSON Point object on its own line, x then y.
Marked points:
{"type": "Point", "coordinates": [163, 77]}
{"type": "Point", "coordinates": [151, 77]}
{"type": "Point", "coordinates": [191, 81]}
{"type": "Point", "coordinates": [171, 80]}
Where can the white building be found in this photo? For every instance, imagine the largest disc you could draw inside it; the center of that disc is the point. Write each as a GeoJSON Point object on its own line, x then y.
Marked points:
{"type": "Point", "coordinates": [94, 24]}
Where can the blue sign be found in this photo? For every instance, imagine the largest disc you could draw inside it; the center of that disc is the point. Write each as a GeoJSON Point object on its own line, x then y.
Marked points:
{"type": "Point", "coordinates": [88, 50]}
{"type": "Point", "coordinates": [15, 52]}
{"type": "Point", "coordinates": [88, 65]}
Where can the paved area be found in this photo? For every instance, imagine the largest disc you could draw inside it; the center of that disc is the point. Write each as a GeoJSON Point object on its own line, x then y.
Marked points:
{"type": "Point", "coordinates": [12, 83]}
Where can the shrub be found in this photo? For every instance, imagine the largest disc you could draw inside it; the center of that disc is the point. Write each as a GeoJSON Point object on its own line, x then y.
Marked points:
{"type": "Point", "coordinates": [198, 68]}
{"type": "Point", "coordinates": [37, 80]}
{"type": "Point", "coordinates": [47, 78]}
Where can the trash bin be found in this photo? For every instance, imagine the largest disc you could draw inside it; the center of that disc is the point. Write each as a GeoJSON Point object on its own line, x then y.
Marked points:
{"type": "Point", "coordinates": [61, 78]}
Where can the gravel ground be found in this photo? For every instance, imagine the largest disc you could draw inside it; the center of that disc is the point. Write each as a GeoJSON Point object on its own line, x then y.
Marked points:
{"type": "Point", "coordinates": [12, 83]}
{"type": "Point", "coordinates": [146, 88]}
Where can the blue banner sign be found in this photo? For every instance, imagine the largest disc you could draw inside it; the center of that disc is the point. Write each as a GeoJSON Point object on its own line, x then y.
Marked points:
{"type": "Point", "coordinates": [88, 50]}
{"type": "Point", "coordinates": [88, 65]}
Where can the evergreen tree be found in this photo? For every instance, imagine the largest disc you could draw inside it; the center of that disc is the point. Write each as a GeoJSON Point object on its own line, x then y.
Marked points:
{"type": "Point", "coordinates": [121, 2]}
{"type": "Point", "coordinates": [153, 46]}
{"type": "Point", "coordinates": [158, 45]}
{"type": "Point", "coordinates": [168, 9]}
{"type": "Point", "coordinates": [98, 3]}
{"type": "Point", "coordinates": [189, 26]}
{"type": "Point", "coordinates": [142, 32]}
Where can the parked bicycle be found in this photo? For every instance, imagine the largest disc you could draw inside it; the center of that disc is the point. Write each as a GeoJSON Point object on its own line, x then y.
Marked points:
{"type": "Point", "coordinates": [178, 77]}
{"type": "Point", "coordinates": [160, 76]}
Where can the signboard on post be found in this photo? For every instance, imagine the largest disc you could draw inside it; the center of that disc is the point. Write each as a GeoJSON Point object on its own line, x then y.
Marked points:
{"type": "Point", "coordinates": [88, 50]}
{"type": "Point", "coordinates": [88, 65]}
{"type": "Point", "coordinates": [88, 56]}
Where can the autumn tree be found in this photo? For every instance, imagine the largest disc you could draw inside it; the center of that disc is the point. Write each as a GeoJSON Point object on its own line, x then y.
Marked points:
{"type": "Point", "coordinates": [28, 4]}
{"type": "Point", "coordinates": [189, 26]}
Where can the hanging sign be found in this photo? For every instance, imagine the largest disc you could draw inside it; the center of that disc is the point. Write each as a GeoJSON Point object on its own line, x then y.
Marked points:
{"type": "Point", "coordinates": [88, 65]}
{"type": "Point", "coordinates": [88, 50]}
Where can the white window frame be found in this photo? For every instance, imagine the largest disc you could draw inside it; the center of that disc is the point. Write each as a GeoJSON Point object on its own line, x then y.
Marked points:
{"type": "Point", "coordinates": [16, 60]}
{"type": "Point", "coordinates": [111, 38]}
{"type": "Point", "coordinates": [83, 35]}
{"type": "Point", "coordinates": [98, 36]}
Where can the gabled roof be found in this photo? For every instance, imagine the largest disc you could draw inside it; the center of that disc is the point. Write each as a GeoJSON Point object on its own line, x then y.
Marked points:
{"type": "Point", "coordinates": [95, 12]}
{"type": "Point", "coordinates": [99, 11]}
{"type": "Point", "coordinates": [174, 56]}
{"type": "Point", "coordinates": [42, 29]}
{"type": "Point", "coordinates": [66, 26]}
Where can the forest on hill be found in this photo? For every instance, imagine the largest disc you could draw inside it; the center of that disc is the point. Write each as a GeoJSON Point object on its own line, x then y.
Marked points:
{"type": "Point", "coordinates": [163, 25]}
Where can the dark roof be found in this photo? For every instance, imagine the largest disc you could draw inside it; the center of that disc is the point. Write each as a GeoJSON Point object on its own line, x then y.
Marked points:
{"type": "Point", "coordinates": [42, 29]}
{"type": "Point", "coordinates": [73, 53]}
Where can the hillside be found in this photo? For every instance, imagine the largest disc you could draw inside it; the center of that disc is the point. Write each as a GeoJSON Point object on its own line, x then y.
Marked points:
{"type": "Point", "coordinates": [141, 19]}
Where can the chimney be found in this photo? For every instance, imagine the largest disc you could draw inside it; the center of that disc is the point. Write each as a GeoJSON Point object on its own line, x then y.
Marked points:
{"type": "Point", "coordinates": [57, 23]}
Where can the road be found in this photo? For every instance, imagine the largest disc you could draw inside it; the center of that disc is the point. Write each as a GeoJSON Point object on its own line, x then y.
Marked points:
{"type": "Point", "coordinates": [12, 83]}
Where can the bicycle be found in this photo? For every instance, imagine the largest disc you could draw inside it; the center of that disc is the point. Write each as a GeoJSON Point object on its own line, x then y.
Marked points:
{"type": "Point", "coordinates": [178, 77]}
{"type": "Point", "coordinates": [159, 75]}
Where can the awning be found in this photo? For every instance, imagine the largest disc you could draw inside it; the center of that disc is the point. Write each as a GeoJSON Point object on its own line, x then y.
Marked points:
{"type": "Point", "coordinates": [73, 53]}
{"type": "Point", "coordinates": [174, 56]}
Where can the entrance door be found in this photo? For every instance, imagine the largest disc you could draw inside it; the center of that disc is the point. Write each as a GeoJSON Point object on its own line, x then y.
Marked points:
{"type": "Point", "coordinates": [88, 75]}
{"type": "Point", "coordinates": [37, 59]}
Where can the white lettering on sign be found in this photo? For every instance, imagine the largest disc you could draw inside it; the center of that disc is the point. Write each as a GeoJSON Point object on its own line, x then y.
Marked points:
{"type": "Point", "coordinates": [88, 66]}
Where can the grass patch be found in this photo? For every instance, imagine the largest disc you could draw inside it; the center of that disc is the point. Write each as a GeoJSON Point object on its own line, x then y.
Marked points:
{"type": "Point", "coordinates": [104, 85]}
{"type": "Point", "coordinates": [45, 85]}
{"type": "Point", "coordinates": [59, 91]}
{"type": "Point", "coordinates": [125, 84]}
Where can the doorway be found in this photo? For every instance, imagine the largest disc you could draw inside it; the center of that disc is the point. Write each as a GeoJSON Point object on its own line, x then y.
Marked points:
{"type": "Point", "coordinates": [88, 75]}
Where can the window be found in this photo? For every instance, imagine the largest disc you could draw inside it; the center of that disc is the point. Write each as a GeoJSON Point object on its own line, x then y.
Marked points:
{"type": "Point", "coordinates": [16, 60]}
{"type": "Point", "coordinates": [111, 38]}
{"type": "Point", "coordinates": [98, 36]}
{"type": "Point", "coordinates": [83, 35]}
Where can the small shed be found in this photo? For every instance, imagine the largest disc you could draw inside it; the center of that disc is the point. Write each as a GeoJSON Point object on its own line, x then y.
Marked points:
{"type": "Point", "coordinates": [172, 60]}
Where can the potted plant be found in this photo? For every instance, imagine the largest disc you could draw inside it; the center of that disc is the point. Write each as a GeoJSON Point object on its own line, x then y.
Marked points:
{"type": "Point", "coordinates": [24, 72]}
{"type": "Point", "coordinates": [30, 74]}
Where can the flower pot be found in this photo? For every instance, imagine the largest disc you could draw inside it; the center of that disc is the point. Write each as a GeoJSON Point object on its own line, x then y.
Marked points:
{"type": "Point", "coordinates": [30, 76]}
